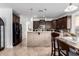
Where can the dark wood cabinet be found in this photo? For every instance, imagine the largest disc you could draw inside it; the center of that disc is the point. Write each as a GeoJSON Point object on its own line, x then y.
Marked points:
{"type": "Point", "coordinates": [58, 24]}
{"type": "Point", "coordinates": [53, 24]}
{"type": "Point", "coordinates": [42, 22]}
{"type": "Point", "coordinates": [64, 23]}
{"type": "Point", "coordinates": [61, 23]}
{"type": "Point", "coordinates": [16, 19]}
{"type": "Point", "coordinates": [36, 24]}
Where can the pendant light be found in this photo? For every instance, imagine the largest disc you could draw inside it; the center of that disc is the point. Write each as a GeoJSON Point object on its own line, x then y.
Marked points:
{"type": "Point", "coordinates": [71, 8]}
{"type": "Point", "coordinates": [42, 13]}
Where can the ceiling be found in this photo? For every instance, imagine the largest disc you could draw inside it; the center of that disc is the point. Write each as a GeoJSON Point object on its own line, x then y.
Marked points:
{"type": "Point", "coordinates": [31, 9]}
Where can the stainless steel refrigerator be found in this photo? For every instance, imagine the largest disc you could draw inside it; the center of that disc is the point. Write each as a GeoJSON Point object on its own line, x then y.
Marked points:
{"type": "Point", "coordinates": [2, 35]}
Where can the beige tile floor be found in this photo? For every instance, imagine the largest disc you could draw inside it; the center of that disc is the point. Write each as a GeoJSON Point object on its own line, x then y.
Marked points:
{"type": "Point", "coordinates": [23, 50]}
{"type": "Point", "coordinates": [38, 51]}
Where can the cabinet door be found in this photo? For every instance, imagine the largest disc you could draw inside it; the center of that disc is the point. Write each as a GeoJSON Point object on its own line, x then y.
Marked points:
{"type": "Point", "coordinates": [64, 23]}
{"type": "Point", "coordinates": [61, 23]}
{"type": "Point", "coordinates": [58, 24]}
{"type": "Point", "coordinates": [42, 22]}
{"type": "Point", "coordinates": [35, 25]}
{"type": "Point", "coordinates": [16, 19]}
{"type": "Point", "coordinates": [53, 24]}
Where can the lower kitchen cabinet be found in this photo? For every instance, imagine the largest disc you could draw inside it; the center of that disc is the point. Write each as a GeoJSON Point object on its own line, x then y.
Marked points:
{"type": "Point", "coordinates": [37, 39]}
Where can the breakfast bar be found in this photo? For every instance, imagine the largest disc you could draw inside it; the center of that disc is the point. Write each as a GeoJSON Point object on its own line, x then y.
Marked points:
{"type": "Point", "coordinates": [67, 44]}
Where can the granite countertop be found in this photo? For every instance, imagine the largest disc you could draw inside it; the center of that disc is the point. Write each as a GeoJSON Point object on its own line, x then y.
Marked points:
{"type": "Point", "coordinates": [69, 41]}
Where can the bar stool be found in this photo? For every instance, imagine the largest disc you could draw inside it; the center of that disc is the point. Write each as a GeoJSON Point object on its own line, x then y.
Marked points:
{"type": "Point", "coordinates": [53, 43]}
{"type": "Point", "coordinates": [63, 48]}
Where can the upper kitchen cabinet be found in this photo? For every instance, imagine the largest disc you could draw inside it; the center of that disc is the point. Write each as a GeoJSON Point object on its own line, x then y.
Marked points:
{"type": "Point", "coordinates": [42, 25]}
{"type": "Point", "coordinates": [48, 25]}
{"type": "Point", "coordinates": [63, 23]}
{"type": "Point", "coordinates": [16, 19]}
{"type": "Point", "coordinates": [53, 24]}
{"type": "Point", "coordinates": [42, 22]}
{"type": "Point", "coordinates": [58, 24]}
{"type": "Point", "coordinates": [36, 25]}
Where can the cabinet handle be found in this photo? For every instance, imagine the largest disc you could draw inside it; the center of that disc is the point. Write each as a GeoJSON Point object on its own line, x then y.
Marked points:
{"type": "Point", "coordinates": [38, 33]}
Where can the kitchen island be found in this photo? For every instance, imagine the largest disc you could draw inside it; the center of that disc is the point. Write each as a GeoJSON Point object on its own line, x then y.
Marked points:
{"type": "Point", "coordinates": [39, 39]}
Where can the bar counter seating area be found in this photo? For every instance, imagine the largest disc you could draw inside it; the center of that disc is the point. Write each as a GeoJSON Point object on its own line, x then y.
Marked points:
{"type": "Point", "coordinates": [64, 45]}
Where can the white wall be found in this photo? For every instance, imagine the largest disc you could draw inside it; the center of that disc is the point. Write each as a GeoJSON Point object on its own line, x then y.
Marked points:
{"type": "Point", "coordinates": [24, 20]}
{"type": "Point", "coordinates": [74, 18]}
{"type": "Point", "coordinates": [72, 24]}
{"type": "Point", "coordinates": [6, 15]}
{"type": "Point", "coordinates": [77, 21]}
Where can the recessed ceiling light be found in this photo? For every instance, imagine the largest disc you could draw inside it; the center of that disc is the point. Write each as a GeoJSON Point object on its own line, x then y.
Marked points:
{"type": "Point", "coordinates": [71, 8]}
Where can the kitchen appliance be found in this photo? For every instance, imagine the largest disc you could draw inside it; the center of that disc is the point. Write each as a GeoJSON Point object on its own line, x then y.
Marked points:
{"type": "Point", "coordinates": [2, 35]}
{"type": "Point", "coordinates": [17, 33]}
